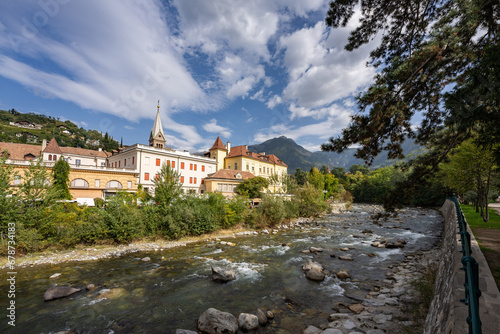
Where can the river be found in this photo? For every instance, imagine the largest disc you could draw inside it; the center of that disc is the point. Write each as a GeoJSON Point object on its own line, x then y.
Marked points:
{"type": "Point", "coordinates": [174, 288]}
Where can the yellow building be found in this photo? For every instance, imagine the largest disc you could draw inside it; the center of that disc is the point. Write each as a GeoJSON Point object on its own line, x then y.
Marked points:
{"type": "Point", "coordinates": [225, 181]}
{"type": "Point", "coordinates": [86, 180]}
{"type": "Point", "coordinates": [239, 158]}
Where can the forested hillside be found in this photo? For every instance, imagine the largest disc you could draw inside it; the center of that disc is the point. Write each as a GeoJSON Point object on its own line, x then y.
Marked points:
{"type": "Point", "coordinates": [30, 128]}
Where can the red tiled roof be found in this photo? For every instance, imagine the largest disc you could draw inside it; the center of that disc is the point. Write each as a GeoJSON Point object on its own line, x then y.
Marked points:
{"type": "Point", "coordinates": [83, 151]}
{"type": "Point", "coordinates": [53, 147]}
{"type": "Point", "coordinates": [242, 150]}
{"type": "Point", "coordinates": [218, 144]}
{"type": "Point", "coordinates": [229, 174]}
{"type": "Point", "coordinates": [20, 151]}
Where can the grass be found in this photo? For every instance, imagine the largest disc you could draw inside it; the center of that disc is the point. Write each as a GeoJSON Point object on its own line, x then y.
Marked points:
{"type": "Point", "coordinates": [475, 220]}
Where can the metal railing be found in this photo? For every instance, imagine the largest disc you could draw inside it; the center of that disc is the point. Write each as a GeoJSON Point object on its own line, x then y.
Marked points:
{"type": "Point", "coordinates": [470, 266]}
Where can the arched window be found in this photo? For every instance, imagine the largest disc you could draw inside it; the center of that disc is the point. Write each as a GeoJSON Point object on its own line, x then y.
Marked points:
{"type": "Point", "coordinates": [79, 183]}
{"type": "Point", "coordinates": [50, 157]}
{"type": "Point", "coordinates": [113, 184]}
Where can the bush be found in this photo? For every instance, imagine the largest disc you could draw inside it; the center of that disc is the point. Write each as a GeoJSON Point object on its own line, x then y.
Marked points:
{"type": "Point", "coordinates": [309, 200]}
{"type": "Point", "coordinates": [99, 202]}
{"type": "Point", "coordinates": [124, 222]}
{"type": "Point", "coordinates": [272, 210]}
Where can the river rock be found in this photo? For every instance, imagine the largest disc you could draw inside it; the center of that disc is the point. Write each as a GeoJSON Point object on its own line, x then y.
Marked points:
{"type": "Point", "coordinates": [56, 275]}
{"type": "Point", "coordinates": [337, 316]}
{"type": "Point", "coordinates": [375, 244]}
{"type": "Point", "coordinates": [146, 259]}
{"type": "Point", "coordinates": [343, 274]}
{"type": "Point", "coordinates": [314, 271]}
{"type": "Point", "coordinates": [345, 257]}
{"type": "Point", "coordinates": [223, 275]}
{"type": "Point", "coordinates": [315, 250]}
{"type": "Point", "coordinates": [356, 308]}
{"type": "Point", "coordinates": [270, 315]}
{"type": "Point", "coordinates": [247, 321]}
{"type": "Point", "coordinates": [91, 287]}
{"type": "Point", "coordinates": [55, 292]}
{"type": "Point", "coordinates": [262, 317]}
{"type": "Point", "coordinates": [345, 249]}
{"type": "Point", "coordinates": [185, 331]}
{"type": "Point", "coordinates": [311, 330]}
{"type": "Point", "coordinates": [213, 321]}
{"type": "Point", "coordinates": [111, 293]}
{"type": "Point", "coordinates": [332, 331]}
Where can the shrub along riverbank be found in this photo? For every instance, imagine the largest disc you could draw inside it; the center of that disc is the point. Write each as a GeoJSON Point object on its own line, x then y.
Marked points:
{"type": "Point", "coordinates": [122, 220]}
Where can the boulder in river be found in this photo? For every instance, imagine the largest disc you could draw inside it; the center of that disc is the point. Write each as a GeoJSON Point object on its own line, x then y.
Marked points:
{"type": "Point", "coordinates": [346, 257]}
{"type": "Point", "coordinates": [213, 321]}
{"type": "Point", "coordinates": [356, 308]}
{"type": "Point", "coordinates": [247, 321]}
{"type": "Point", "coordinates": [343, 274]}
{"type": "Point", "coordinates": [223, 275]}
{"type": "Point", "coordinates": [314, 271]}
{"type": "Point", "coordinates": [55, 292]}
{"type": "Point", "coordinates": [56, 275]}
{"type": "Point", "coordinates": [315, 249]}
{"type": "Point", "coordinates": [262, 317]}
{"type": "Point", "coordinates": [185, 331]}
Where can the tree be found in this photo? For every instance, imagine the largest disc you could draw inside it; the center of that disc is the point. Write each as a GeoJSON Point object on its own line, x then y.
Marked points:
{"type": "Point", "coordinates": [338, 172]}
{"type": "Point", "coordinates": [359, 168]}
{"type": "Point", "coordinates": [60, 174]}
{"type": "Point", "coordinates": [8, 205]}
{"type": "Point", "coordinates": [437, 59]}
{"type": "Point", "coordinates": [168, 186]}
{"type": "Point", "coordinates": [301, 177]}
{"type": "Point", "coordinates": [331, 185]}
{"type": "Point", "coordinates": [471, 167]}
{"type": "Point", "coordinates": [252, 187]}
{"type": "Point", "coordinates": [316, 179]}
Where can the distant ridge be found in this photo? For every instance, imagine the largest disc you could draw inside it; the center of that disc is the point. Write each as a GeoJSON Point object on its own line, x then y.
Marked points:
{"type": "Point", "coordinates": [295, 156]}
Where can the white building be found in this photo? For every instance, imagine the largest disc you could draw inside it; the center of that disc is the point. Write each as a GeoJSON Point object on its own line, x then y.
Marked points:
{"type": "Point", "coordinates": [147, 161]}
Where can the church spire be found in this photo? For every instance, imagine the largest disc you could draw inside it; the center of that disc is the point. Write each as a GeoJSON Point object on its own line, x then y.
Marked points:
{"type": "Point", "coordinates": [157, 136]}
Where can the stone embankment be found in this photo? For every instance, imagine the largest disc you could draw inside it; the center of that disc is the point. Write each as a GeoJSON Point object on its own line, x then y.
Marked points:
{"type": "Point", "coordinates": [447, 313]}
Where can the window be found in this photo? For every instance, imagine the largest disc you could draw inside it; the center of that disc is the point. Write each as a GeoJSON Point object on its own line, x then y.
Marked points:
{"type": "Point", "coordinates": [253, 169]}
{"type": "Point", "coordinates": [168, 162]}
{"type": "Point", "coordinates": [97, 183]}
{"type": "Point", "coordinates": [190, 180]}
{"type": "Point", "coordinates": [157, 177]}
{"type": "Point", "coordinates": [79, 183]}
{"type": "Point", "coordinates": [133, 160]}
{"type": "Point", "coordinates": [119, 164]}
{"type": "Point", "coordinates": [17, 179]}
{"type": "Point", "coordinates": [78, 162]}
{"type": "Point", "coordinates": [50, 157]}
{"type": "Point", "coordinates": [226, 188]}
{"type": "Point", "coordinates": [113, 184]}
{"type": "Point", "coordinates": [202, 168]}
{"type": "Point", "coordinates": [146, 176]}
{"type": "Point", "coordinates": [195, 181]}
{"type": "Point", "coordinates": [260, 170]}
{"type": "Point", "coordinates": [182, 179]}
{"type": "Point", "coordinates": [129, 184]}
{"type": "Point", "coordinates": [124, 162]}
{"type": "Point", "coordinates": [173, 164]}
{"type": "Point", "coordinates": [195, 166]}
{"type": "Point", "coordinates": [248, 167]}
{"type": "Point", "coordinates": [103, 164]}
{"type": "Point", "coordinates": [202, 181]}
{"type": "Point", "coordinates": [190, 166]}
{"type": "Point", "coordinates": [182, 165]}
{"type": "Point", "coordinates": [157, 162]}
{"type": "Point", "coordinates": [235, 166]}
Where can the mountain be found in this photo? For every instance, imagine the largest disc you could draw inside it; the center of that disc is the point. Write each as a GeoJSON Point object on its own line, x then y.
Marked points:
{"type": "Point", "coordinates": [295, 156]}
{"type": "Point", "coordinates": [31, 128]}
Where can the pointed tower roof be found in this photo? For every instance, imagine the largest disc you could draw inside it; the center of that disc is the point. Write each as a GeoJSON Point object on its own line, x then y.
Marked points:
{"type": "Point", "coordinates": [157, 126]}
{"type": "Point", "coordinates": [53, 147]}
{"type": "Point", "coordinates": [218, 145]}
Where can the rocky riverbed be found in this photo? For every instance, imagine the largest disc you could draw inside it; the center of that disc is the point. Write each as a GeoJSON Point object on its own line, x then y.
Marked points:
{"type": "Point", "coordinates": [159, 287]}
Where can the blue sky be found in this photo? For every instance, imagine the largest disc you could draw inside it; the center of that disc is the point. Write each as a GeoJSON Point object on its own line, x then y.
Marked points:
{"type": "Point", "coordinates": [247, 70]}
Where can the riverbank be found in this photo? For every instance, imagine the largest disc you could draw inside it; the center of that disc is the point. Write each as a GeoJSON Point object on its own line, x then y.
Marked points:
{"type": "Point", "coordinates": [97, 252]}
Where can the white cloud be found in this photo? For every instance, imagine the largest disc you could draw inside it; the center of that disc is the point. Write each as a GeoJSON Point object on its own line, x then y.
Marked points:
{"type": "Point", "coordinates": [128, 127]}
{"type": "Point", "coordinates": [118, 62]}
{"type": "Point", "coordinates": [274, 101]}
{"type": "Point", "coordinates": [213, 127]}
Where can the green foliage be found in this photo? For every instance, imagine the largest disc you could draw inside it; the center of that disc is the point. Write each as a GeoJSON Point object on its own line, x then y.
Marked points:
{"type": "Point", "coordinates": [301, 177]}
{"type": "Point", "coordinates": [252, 187]}
{"type": "Point", "coordinates": [99, 202]}
{"type": "Point", "coordinates": [60, 175]}
{"type": "Point", "coordinates": [363, 169]}
{"type": "Point", "coordinates": [474, 219]}
{"type": "Point", "coordinates": [272, 209]}
{"type": "Point", "coordinates": [168, 186]}
{"type": "Point", "coordinates": [8, 203]}
{"type": "Point", "coordinates": [124, 222]}
{"type": "Point", "coordinates": [309, 201]}
{"type": "Point", "coordinates": [316, 179]}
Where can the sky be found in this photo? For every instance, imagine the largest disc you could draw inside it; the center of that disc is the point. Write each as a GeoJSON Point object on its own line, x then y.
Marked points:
{"type": "Point", "coordinates": [246, 70]}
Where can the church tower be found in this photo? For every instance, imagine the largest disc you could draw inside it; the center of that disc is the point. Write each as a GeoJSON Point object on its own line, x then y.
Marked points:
{"type": "Point", "coordinates": [157, 137]}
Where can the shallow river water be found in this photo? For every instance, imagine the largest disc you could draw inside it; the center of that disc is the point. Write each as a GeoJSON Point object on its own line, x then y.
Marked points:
{"type": "Point", "coordinates": [174, 288]}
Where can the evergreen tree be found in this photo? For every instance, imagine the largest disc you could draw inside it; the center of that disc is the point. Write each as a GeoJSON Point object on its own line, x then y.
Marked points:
{"type": "Point", "coordinates": [168, 186]}
{"type": "Point", "coordinates": [60, 174]}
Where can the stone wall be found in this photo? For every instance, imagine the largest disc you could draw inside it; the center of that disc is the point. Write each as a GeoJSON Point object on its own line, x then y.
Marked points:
{"type": "Point", "coordinates": [447, 314]}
